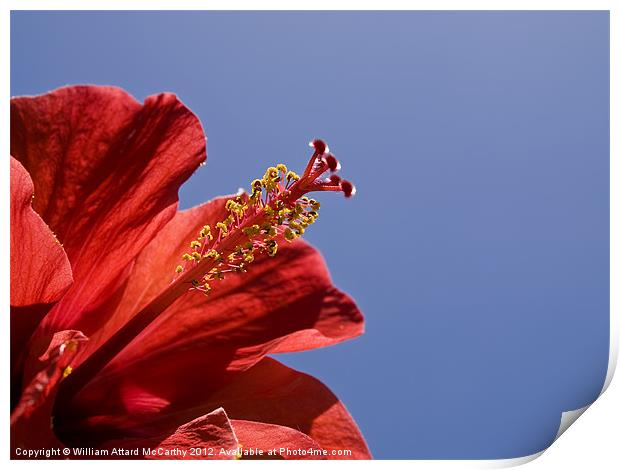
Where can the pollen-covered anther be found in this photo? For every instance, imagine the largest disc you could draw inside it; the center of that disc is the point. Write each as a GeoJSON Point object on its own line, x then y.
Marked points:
{"type": "Point", "coordinates": [271, 247]}
{"type": "Point", "coordinates": [235, 207]}
{"type": "Point", "coordinates": [268, 230]}
{"type": "Point", "coordinates": [292, 176]}
{"type": "Point", "coordinates": [67, 372]}
{"type": "Point", "coordinates": [252, 230]}
{"type": "Point", "coordinates": [289, 235]}
{"type": "Point", "coordinates": [205, 233]}
{"type": "Point", "coordinates": [223, 228]}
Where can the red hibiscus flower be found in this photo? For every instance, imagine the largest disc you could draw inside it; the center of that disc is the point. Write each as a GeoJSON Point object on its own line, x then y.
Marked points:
{"type": "Point", "coordinates": [141, 328]}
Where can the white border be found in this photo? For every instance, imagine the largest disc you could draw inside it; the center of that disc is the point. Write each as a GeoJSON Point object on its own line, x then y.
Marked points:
{"type": "Point", "coordinates": [589, 437]}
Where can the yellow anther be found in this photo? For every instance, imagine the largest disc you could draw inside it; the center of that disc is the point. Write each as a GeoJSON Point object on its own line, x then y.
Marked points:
{"type": "Point", "coordinates": [291, 175]}
{"type": "Point", "coordinates": [281, 167]}
{"type": "Point", "coordinates": [272, 247]}
{"type": "Point", "coordinates": [206, 232]}
{"type": "Point", "coordinates": [289, 235]}
{"type": "Point", "coordinates": [251, 231]}
{"type": "Point", "coordinates": [248, 258]}
{"type": "Point", "coordinates": [179, 269]}
{"type": "Point", "coordinates": [298, 228]}
{"type": "Point", "coordinates": [217, 273]}
{"type": "Point", "coordinates": [235, 207]}
{"type": "Point", "coordinates": [67, 372]}
{"type": "Point", "coordinates": [197, 256]}
{"type": "Point", "coordinates": [195, 244]}
{"type": "Point", "coordinates": [269, 230]}
{"type": "Point", "coordinates": [271, 178]}
{"type": "Point", "coordinates": [223, 228]}
{"type": "Point", "coordinates": [187, 257]}
{"type": "Point", "coordinates": [206, 286]}
{"type": "Point", "coordinates": [212, 254]}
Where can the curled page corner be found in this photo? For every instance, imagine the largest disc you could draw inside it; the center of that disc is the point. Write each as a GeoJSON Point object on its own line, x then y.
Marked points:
{"type": "Point", "coordinates": [568, 418]}
{"type": "Point", "coordinates": [515, 462]}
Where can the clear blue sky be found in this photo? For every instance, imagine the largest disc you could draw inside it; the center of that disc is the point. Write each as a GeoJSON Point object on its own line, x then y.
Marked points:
{"type": "Point", "coordinates": [478, 243]}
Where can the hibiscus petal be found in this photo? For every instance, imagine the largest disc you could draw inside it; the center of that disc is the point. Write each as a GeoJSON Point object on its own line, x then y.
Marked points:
{"type": "Point", "coordinates": [211, 436]}
{"type": "Point", "coordinates": [258, 441]}
{"type": "Point", "coordinates": [209, 431]}
{"type": "Point", "coordinates": [34, 410]}
{"type": "Point", "coordinates": [106, 172]}
{"type": "Point", "coordinates": [268, 393]}
{"type": "Point", "coordinates": [40, 270]}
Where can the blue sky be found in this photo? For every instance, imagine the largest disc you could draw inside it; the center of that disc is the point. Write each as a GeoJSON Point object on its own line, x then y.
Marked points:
{"type": "Point", "coordinates": [478, 243]}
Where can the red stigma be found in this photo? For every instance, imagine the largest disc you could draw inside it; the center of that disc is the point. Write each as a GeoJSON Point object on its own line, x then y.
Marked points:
{"type": "Point", "coordinates": [313, 177]}
{"type": "Point", "coordinates": [319, 146]}
{"type": "Point", "coordinates": [347, 188]}
{"type": "Point", "coordinates": [332, 163]}
{"type": "Point", "coordinates": [335, 179]}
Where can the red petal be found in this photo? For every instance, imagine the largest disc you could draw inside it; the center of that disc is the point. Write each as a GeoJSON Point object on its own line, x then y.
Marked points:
{"type": "Point", "coordinates": [270, 441]}
{"type": "Point", "coordinates": [31, 421]}
{"type": "Point", "coordinates": [269, 393]}
{"type": "Point", "coordinates": [40, 270]}
{"type": "Point", "coordinates": [209, 431]}
{"type": "Point", "coordinates": [273, 393]}
{"type": "Point", "coordinates": [106, 172]}
{"type": "Point", "coordinates": [211, 436]}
